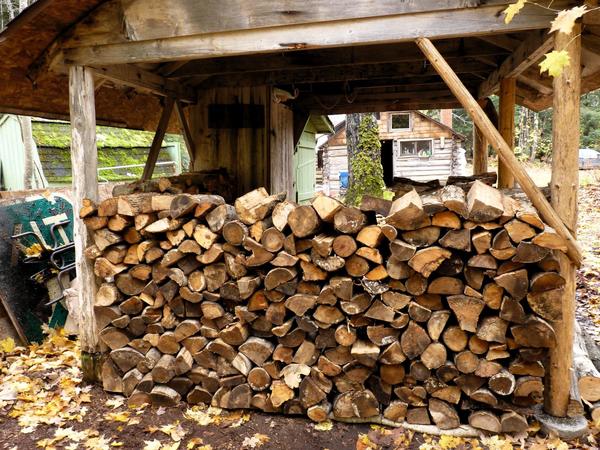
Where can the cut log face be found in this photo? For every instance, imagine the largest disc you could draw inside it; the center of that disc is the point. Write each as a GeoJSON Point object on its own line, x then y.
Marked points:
{"type": "Point", "coordinates": [407, 212]}
{"type": "Point", "coordinates": [447, 305]}
{"type": "Point", "coordinates": [484, 203]}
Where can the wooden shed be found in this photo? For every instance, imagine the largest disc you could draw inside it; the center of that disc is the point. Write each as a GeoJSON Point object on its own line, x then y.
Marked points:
{"type": "Point", "coordinates": [243, 77]}
{"type": "Point", "coordinates": [413, 145]}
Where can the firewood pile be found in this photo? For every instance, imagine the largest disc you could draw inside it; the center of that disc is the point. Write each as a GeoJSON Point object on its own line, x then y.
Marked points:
{"type": "Point", "coordinates": [439, 313]}
{"type": "Point", "coordinates": [215, 181]}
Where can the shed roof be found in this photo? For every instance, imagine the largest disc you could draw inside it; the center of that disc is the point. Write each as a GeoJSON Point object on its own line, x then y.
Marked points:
{"type": "Point", "coordinates": [337, 59]}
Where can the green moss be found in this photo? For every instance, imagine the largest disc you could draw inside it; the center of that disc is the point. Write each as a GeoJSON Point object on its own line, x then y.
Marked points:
{"type": "Point", "coordinates": [367, 171]}
{"type": "Point", "coordinates": [58, 135]}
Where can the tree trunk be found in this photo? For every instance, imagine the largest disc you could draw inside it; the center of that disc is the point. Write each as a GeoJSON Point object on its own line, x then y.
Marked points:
{"type": "Point", "coordinates": [29, 145]}
{"type": "Point", "coordinates": [352, 123]}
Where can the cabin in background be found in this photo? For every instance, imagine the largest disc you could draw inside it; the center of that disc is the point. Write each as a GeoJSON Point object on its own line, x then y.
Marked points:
{"type": "Point", "coordinates": [413, 145]}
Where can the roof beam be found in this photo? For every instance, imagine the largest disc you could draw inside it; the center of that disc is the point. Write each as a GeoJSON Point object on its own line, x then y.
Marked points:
{"type": "Point", "coordinates": [337, 74]}
{"type": "Point", "coordinates": [405, 52]}
{"type": "Point", "coordinates": [526, 54]}
{"type": "Point", "coordinates": [317, 106]}
{"type": "Point", "coordinates": [366, 30]}
{"type": "Point", "coordinates": [143, 80]}
{"type": "Point", "coordinates": [501, 41]}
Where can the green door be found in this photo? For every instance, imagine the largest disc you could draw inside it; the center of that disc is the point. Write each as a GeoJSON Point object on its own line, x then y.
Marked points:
{"type": "Point", "coordinates": [305, 163]}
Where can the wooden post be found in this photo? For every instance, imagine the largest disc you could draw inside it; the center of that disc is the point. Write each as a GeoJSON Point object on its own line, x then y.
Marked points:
{"type": "Point", "coordinates": [490, 132]}
{"type": "Point", "coordinates": [508, 86]}
{"type": "Point", "coordinates": [564, 185]}
{"type": "Point", "coordinates": [84, 161]}
{"type": "Point", "coordinates": [163, 124]}
{"type": "Point", "coordinates": [187, 134]}
{"type": "Point", "coordinates": [480, 152]}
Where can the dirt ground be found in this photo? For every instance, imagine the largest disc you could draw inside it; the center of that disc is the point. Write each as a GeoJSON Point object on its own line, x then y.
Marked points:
{"type": "Point", "coordinates": [44, 404]}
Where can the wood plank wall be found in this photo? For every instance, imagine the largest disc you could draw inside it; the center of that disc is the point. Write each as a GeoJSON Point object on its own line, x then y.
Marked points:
{"type": "Point", "coordinates": [243, 151]}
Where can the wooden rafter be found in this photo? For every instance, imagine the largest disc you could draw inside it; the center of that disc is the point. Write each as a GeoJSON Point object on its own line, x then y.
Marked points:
{"type": "Point", "coordinates": [526, 54]}
{"type": "Point", "coordinates": [143, 80]}
{"type": "Point", "coordinates": [493, 136]}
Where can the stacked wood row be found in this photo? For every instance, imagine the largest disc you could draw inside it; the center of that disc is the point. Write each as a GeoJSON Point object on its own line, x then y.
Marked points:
{"type": "Point", "coordinates": [439, 313]}
{"type": "Point", "coordinates": [215, 181]}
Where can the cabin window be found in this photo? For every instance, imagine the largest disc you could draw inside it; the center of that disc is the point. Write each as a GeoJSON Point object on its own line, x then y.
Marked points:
{"type": "Point", "coordinates": [400, 121]}
{"type": "Point", "coordinates": [421, 148]}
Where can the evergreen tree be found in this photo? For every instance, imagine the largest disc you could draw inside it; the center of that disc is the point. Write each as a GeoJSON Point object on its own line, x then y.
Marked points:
{"type": "Point", "coordinates": [367, 171]}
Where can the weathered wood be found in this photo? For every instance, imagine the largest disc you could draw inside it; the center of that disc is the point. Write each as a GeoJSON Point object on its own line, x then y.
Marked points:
{"type": "Point", "coordinates": [564, 186]}
{"type": "Point", "coordinates": [506, 125]}
{"type": "Point", "coordinates": [84, 160]}
{"type": "Point", "coordinates": [158, 139]}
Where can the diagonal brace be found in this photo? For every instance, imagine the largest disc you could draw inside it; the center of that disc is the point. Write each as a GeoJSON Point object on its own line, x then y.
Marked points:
{"type": "Point", "coordinates": [494, 138]}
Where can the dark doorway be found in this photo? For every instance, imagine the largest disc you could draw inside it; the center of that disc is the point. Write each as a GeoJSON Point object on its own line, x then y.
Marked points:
{"type": "Point", "coordinates": [387, 161]}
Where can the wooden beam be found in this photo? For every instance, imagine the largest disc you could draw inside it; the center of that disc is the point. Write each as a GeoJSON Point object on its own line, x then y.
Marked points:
{"type": "Point", "coordinates": [480, 144]}
{"type": "Point", "coordinates": [532, 78]}
{"type": "Point", "coordinates": [508, 87]}
{"type": "Point", "coordinates": [526, 54]}
{"type": "Point", "coordinates": [338, 73]}
{"type": "Point", "coordinates": [490, 132]}
{"type": "Point", "coordinates": [501, 41]}
{"type": "Point", "coordinates": [480, 152]}
{"type": "Point", "coordinates": [128, 75]}
{"type": "Point", "coordinates": [564, 186]}
{"type": "Point", "coordinates": [163, 123]}
{"type": "Point", "coordinates": [331, 57]}
{"type": "Point", "coordinates": [155, 19]}
{"type": "Point", "coordinates": [315, 107]}
{"type": "Point", "coordinates": [84, 163]}
{"type": "Point", "coordinates": [483, 20]}
{"type": "Point", "coordinates": [187, 134]}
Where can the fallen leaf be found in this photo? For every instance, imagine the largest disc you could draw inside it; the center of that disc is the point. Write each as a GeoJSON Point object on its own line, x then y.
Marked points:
{"type": "Point", "coordinates": [565, 20]}
{"type": "Point", "coordinates": [7, 345]}
{"type": "Point", "coordinates": [554, 62]}
{"type": "Point", "coordinates": [512, 10]}
{"type": "Point", "coordinates": [326, 425]}
{"type": "Point", "coordinates": [256, 440]}
{"type": "Point", "coordinates": [115, 402]}
{"type": "Point", "coordinates": [152, 445]}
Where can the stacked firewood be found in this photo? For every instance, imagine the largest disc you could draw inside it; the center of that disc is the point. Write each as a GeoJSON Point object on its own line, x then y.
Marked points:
{"type": "Point", "coordinates": [439, 313]}
{"type": "Point", "coordinates": [200, 182]}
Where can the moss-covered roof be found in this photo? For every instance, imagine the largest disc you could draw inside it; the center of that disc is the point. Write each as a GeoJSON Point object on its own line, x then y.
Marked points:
{"type": "Point", "coordinates": [58, 135]}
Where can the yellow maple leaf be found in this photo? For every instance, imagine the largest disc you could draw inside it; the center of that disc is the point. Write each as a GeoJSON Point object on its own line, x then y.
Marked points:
{"type": "Point", "coordinates": [512, 10]}
{"type": "Point", "coordinates": [7, 345]}
{"type": "Point", "coordinates": [554, 62]}
{"type": "Point", "coordinates": [117, 416]}
{"type": "Point", "coordinates": [565, 20]}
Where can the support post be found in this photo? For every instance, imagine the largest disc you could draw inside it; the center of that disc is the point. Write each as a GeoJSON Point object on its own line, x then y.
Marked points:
{"type": "Point", "coordinates": [163, 123]}
{"type": "Point", "coordinates": [84, 163]}
{"type": "Point", "coordinates": [187, 134]}
{"type": "Point", "coordinates": [490, 132]}
{"type": "Point", "coordinates": [480, 152]}
{"type": "Point", "coordinates": [564, 186]}
{"type": "Point", "coordinates": [508, 86]}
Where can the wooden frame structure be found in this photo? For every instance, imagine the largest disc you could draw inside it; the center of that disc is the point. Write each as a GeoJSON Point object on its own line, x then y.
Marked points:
{"type": "Point", "coordinates": [207, 63]}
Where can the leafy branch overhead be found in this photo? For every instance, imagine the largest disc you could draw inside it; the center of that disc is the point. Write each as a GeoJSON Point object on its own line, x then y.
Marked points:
{"type": "Point", "coordinates": [555, 61]}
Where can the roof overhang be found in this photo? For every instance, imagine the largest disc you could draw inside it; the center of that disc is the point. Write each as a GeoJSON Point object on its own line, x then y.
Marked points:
{"type": "Point", "coordinates": [338, 60]}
